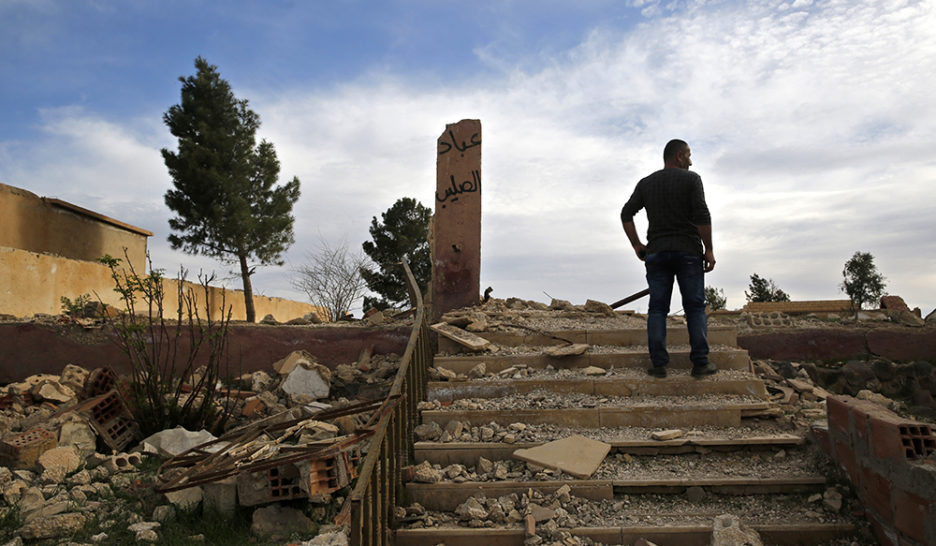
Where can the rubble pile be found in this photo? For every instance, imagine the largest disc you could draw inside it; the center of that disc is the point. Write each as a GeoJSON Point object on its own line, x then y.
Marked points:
{"type": "Point", "coordinates": [72, 457]}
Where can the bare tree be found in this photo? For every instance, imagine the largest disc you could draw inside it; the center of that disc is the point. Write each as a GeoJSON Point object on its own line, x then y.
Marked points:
{"type": "Point", "coordinates": [332, 278]}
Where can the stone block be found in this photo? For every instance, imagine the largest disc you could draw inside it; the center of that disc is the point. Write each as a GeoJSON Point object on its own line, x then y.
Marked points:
{"type": "Point", "coordinates": [185, 499]}
{"type": "Point", "coordinates": [64, 458]}
{"type": "Point", "coordinates": [221, 497]}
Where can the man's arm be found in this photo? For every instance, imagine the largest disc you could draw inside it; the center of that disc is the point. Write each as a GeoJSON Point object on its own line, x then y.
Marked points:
{"type": "Point", "coordinates": [639, 248]}
{"type": "Point", "coordinates": [705, 232]}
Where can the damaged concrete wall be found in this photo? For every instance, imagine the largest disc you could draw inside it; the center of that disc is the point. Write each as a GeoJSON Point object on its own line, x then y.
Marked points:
{"type": "Point", "coordinates": [51, 226]}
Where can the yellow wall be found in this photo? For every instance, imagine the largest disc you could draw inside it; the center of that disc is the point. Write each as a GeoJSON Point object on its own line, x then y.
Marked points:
{"type": "Point", "coordinates": [33, 283]}
{"type": "Point", "coordinates": [36, 224]}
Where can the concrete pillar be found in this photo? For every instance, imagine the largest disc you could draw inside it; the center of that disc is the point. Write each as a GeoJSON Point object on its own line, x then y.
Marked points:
{"type": "Point", "coordinates": [456, 240]}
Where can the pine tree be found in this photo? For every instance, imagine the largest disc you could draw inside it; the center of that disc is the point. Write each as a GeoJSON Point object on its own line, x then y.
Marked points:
{"type": "Point", "coordinates": [715, 298]}
{"type": "Point", "coordinates": [404, 232]}
{"type": "Point", "coordinates": [226, 200]}
{"type": "Point", "coordinates": [762, 289]}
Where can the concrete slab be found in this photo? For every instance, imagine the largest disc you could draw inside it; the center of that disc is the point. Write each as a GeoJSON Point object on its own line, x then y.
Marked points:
{"type": "Point", "coordinates": [462, 337]}
{"type": "Point", "coordinates": [576, 455]}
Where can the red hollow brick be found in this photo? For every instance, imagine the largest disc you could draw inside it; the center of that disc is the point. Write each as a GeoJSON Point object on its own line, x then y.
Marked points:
{"type": "Point", "coordinates": [838, 411]}
{"type": "Point", "coordinates": [886, 535]}
{"type": "Point", "coordinates": [910, 514]}
{"type": "Point", "coordinates": [886, 439]}
{"type": "Point", "coordinates": [845, 456]}
{"type": "Point", "coordinates": [876, 493]}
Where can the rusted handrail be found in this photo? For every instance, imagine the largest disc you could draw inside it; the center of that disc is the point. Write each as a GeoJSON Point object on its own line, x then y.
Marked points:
{"type": "Point", "coordinates": [379, 484]}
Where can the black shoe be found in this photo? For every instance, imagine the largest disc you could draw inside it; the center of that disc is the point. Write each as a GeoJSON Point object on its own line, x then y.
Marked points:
{"type": "Point", "coordinates": [705, 369]}
{"type": "Point", "coordinates": [656, 371]}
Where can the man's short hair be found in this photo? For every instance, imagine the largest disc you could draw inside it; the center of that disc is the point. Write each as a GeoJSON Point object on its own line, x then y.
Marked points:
{"type": "Point", "coordinates": [672, 148]}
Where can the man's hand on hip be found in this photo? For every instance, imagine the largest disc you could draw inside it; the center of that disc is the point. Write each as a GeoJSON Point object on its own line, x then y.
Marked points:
{"type": "Point", "coordinates": [641, 250]}
{"type": "Point", "coordinates": [708, 261]}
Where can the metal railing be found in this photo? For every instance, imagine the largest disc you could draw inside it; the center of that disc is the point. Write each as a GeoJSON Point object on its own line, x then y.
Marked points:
{"type": "Point", "coordinates": [380, 486]}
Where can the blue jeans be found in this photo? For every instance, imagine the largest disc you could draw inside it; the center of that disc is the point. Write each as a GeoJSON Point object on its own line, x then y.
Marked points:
{"type": "Point", "coordinates": [686, 267]}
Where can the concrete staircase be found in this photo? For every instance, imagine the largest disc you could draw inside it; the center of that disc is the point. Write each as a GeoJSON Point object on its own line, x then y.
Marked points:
{"type": "Point", "coordinates": [731, 458]}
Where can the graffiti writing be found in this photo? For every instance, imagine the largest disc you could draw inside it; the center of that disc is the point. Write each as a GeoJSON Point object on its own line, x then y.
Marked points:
{"type": "Point", "coordinates": [446, 147]}
{"type": "Point", "coordinates": [452, 192]}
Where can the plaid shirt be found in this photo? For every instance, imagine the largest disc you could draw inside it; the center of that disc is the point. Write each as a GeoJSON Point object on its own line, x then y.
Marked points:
{"type": "Point", "coordinates": [675, 203]}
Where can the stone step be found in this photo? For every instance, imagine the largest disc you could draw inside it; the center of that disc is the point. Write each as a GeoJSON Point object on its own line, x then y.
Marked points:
{"type": "Point", "coordinates": [637, 383]}
{"type": "Point", "coordinates": [446, 496]}
{"type": "Point", "coordinates": [675, 335]}
{"type": "Point", "coordinates": [657, 412]}
{"type": "Point", "coordinates": [468, 453]}
{"type": "Point", "coordinates": [663, 535]}
{"type": "Point", "coordinates": [724, 358]}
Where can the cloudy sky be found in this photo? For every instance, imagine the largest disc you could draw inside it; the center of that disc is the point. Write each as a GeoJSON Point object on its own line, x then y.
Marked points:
{"type": "Point", "coordinates": [812, 124]}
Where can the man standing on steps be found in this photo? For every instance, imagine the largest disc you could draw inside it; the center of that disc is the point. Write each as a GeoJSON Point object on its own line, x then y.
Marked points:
{"type": "Point", "coordinates": [679, 245]}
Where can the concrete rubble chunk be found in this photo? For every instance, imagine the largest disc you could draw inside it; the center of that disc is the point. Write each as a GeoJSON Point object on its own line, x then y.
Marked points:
{"type": "Point", "coordinates": [307, 382]}
{"type": "Point", "coordinates": [471, 509]}
{"type": "Point", "coordinates": [462, 337]}
{"type": "Point", "coordinates": [593, 306]}
{"type": "Point", "coordinates": [78, 434]}
{"type": "Point", "coordinates": [73, 377]}
{"type": "Point", "coordinates": [278, 522]}
{"type": "Point", "coordinates": [171, 442]}
{"type": "Point", "coordinates": [425, 473]}
{"type": "Point", "coordinates": [478, 371]}
{"type": "Point", "coordinates": [575, 455]}
{"type": "Point", "coordinates": [292, 360]}
{"type": "Point", "coordinates": [260, 381]}
{"type": "Point", "coordinates": [65, 458]}
{"type": "Point", "coordinates": [728, 531]}
{"type": "Point", "coordinates": [541, 513]}
{"type": "Point", "coordinates": [594, 370]}
{"type": "Point", "coordinates": [574, 349]}
{"type": "Point", "coordinates": [31, 500]}
{"type": "Point", "coordinates": [164, 513]}
{"type": "Point", "coordinates": [53, 527]}
{"type": "Point", "coordinates": [52, 391]}
{"type": "Point", "coordinates": [328, 538]}
{"type": "Point", "coordinates": [561, 305]}
{"type": "Point", "coordinates": [428, 432]}
{"type": "Point", "coordinates": [185, 499]}
{"type": "Point", "coordinates": [446, 374]}
{"type": "Point", "coordinates": [671, 434]}
{"type": "Point", "coordinates": [832, 500]}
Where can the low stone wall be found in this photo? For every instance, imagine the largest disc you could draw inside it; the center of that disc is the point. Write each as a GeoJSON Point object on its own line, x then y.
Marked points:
{"type": "Point", "coordinates": [31, 348]}
{"type": "Point", "coordinates": [883, 456]}
{"type": "Point", "coordinates": [798, 307]}
{"type": "Point", "coordinates": [898, 344]}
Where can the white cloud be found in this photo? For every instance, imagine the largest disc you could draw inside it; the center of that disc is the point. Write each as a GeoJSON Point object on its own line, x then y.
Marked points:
{"type": "Point", "coordinates": [809, 124]}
